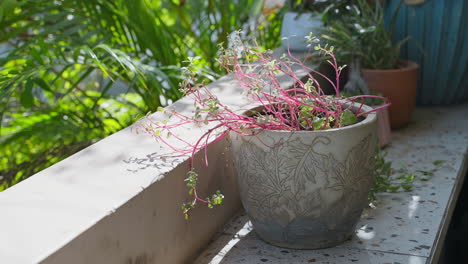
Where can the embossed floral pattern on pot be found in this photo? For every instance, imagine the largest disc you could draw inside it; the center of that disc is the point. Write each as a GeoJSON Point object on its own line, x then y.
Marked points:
{"type": "Point", "coordinates": [306, 189]}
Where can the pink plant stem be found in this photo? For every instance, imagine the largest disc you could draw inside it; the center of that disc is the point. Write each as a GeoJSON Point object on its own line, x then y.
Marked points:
{"type": "Point", "coordinates": [308, 69]}
{"type": "Point", "coordinates": [197, 198]}
{"type": "Point", "coordinates": [196, 147]}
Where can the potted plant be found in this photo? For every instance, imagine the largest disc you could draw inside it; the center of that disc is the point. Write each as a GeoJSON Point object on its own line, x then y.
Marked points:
{"type": "Point", "coordinates": [362, 39]}
{"type": "Point", "coordinates": [304, 159]}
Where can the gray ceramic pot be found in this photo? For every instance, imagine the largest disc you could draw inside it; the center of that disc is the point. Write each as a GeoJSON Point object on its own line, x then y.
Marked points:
{"type": "Point", "coordinates": [306, 189]}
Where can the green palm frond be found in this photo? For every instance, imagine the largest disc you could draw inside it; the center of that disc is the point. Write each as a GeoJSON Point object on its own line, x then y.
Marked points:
{"type": "Point", "coordinates": [68, 57]}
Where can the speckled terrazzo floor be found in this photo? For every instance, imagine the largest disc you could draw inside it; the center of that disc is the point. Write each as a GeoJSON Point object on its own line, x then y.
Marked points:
{"type": "Point", "coordinates": [406, 227]}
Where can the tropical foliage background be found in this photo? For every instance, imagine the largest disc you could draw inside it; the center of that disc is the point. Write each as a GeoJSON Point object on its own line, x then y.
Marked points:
{"type": "Point", "coordinates": [75, 71]}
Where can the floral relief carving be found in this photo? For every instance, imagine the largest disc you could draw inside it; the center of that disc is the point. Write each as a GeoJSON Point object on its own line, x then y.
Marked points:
{"type": "Point", "coordinates": [292, 180]}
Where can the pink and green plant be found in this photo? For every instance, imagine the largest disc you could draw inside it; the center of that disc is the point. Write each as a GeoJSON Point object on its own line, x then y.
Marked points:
{"type": "Point", "coordinates": [302, 107]}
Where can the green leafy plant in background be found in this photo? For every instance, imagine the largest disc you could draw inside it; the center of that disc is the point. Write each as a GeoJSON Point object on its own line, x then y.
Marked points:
{"type": "Point", "coordinates": [34, 142]}
{"type": "Point", "coordinates": [77, 71]}
{"type": "Point", "coordinates": [359, 34]}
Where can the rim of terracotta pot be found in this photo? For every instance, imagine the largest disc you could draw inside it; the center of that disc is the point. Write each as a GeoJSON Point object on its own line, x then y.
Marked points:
{"type": "Point", "coordinates": [369, 118]}
{"type": "Point", "coordinates": [408, 66]}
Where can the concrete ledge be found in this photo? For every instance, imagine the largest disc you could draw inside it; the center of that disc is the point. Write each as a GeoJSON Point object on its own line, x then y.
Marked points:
{"type": "Point", "coordinates": [114, 202]}
{"type": "Point", "coordinates": [149, 227]}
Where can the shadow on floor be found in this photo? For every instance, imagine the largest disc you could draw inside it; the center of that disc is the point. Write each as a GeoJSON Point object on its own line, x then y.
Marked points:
{"type": "Point", "coordinates": [456, 243]}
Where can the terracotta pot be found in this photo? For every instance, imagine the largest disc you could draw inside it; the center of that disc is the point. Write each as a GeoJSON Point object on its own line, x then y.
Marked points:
{"type": "Point", "coordinates": [399, 86]}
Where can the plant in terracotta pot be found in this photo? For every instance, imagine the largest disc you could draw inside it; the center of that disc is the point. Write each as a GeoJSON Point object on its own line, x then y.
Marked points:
{"type": "Point", "coordinates": [363, 41]}
{"type": "Point", "coordinates": [305, 160]}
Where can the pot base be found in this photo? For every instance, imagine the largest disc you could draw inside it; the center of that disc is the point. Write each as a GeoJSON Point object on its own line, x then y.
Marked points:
{"type": "Point", "coordinates": [308, 232]}
{"type": "Point", "coordinates": [324, 244]}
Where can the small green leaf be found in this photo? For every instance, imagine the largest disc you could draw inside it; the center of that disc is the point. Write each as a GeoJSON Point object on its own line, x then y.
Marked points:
{"type": "Point", "coordinates": [407, 187]}
{"type": "Point", "coordinates": [348, 118]}
{"type": "Point", "coordinates": [218, 198]}
{"type": "Point", "coordinates": [43, 84]}
{"type": "Point", "coordinates": [27, 99]}
{"type": "Point", "coordinates": [438, 162]}
{"type": "Point", "coordinates": [410, 178]}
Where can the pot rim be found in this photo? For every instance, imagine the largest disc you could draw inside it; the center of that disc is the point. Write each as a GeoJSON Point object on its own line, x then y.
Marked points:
{"type": "Point", "coordinates": [409, 66]}
{"type": "Point", "coordinates": [369, 118]}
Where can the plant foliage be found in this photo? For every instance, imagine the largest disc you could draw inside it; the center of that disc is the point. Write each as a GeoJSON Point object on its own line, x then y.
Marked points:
{"type": "Point", "coordinates": [359, 33]}
{"type": "Point", "coordinates": [77, 71]}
